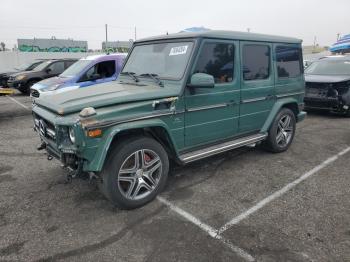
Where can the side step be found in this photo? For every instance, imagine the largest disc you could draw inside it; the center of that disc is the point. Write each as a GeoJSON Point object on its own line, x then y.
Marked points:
{"type": "Point", "coordinates": [219, 148]}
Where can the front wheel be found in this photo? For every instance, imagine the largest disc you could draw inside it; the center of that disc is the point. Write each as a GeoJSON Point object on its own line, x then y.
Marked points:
{"type": "Point", "coordinates": [135, 172]}
{"type": "Point", "coordinates": [281, 132]}
{"type": "Point", "coordinates": [25, 89]}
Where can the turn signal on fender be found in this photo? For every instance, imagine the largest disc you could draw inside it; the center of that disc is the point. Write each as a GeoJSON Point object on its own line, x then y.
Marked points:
{"type": "Point", "coordinates": [95, 133]}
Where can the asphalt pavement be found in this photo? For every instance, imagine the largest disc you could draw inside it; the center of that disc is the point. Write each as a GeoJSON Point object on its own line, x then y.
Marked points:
{"type": "Point", "coordinates": [243, 205]}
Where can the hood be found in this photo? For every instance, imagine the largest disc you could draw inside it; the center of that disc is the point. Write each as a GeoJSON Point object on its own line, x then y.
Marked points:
{"type": "Point", "coordinates": [52, 83]}
{"type": "Point", "coordinates": [326, 78]}
{"type": "Point", "coordinates": [106, 94]}
{"type": "Point", "coordinates": [25, 73]}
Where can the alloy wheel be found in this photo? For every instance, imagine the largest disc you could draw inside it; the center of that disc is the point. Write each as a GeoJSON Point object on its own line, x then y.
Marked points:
{"type": "Point", "coordinates": [284, 130]}
{"type": "Point", "coordinates": [139, 174]}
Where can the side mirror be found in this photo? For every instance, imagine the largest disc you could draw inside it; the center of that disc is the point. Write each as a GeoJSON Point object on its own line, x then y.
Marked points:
{"type": "Point", "coordinates": [48, 70]}
{"type": "Point", "coordinates": [95, 77]}
{"type": "Point", "coordinates": [201, 80]}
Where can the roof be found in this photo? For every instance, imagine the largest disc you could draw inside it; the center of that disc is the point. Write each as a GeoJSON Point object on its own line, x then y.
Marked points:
{"type": "Point", "coordinates": [234, 35]}
{"type": "Point", "coordinates": [336, 58]}
{"type": "Point", "coordinates": [96, 57]}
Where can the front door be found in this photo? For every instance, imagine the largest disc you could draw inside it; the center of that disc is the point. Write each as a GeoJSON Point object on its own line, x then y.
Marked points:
{"type": "Point", "coordinates": [257, 85]}
{"type": "Point", "coordinates": [212, 113]}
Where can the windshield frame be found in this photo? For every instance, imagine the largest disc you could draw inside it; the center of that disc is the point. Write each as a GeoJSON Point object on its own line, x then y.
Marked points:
{"type": "Point", "coordinates": [314, 63]}
{"type": "Point", "coordinates": [162, 41]}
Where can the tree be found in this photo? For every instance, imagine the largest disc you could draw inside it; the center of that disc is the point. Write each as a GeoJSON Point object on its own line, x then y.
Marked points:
{"type": "Point", "coordinates": [2, 46]}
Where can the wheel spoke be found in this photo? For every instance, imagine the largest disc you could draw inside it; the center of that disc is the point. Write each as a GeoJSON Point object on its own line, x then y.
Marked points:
{"type": "Point", "coordinates": [146, 185]}
{"type": "Point", "coordinates": [280, 124]}
{"type": "Point", "coordinates": [131, 190]}
{"type": "Point", "coordinates": [286, 122]}
{"type": "Point", "coordinates": [137, 190]}
{"type": "Point", "coordinates": [279, 137]}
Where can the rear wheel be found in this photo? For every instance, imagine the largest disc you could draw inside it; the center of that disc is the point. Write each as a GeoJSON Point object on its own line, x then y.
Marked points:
{"type": "Point", "coordinates": [281, 132]}
{"type": "Point", "coordinates": [135, 172]}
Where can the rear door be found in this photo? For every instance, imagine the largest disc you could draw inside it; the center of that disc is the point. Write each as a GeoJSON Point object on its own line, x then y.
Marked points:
{"type": "Point", "coordinates": [257, 85]}
{"type": "Point", "coordinates": [212, 113]}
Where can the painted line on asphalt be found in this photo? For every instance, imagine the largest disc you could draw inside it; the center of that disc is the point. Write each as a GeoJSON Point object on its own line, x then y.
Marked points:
{"type": "Point", "coordinates": [206, 228]}
{"type": "Point", "coordinates": [19, 103]}
{"type": "Point", "coordinates": [281, 192]}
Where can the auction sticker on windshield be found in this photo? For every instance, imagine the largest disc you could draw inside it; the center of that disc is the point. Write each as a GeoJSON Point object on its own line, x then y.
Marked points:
{"type": "Point", "coordinates": [178, 50]}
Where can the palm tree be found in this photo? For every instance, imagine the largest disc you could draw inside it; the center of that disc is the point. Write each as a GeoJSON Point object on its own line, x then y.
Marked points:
{"type": "Point", "coordinates": [2, 46]}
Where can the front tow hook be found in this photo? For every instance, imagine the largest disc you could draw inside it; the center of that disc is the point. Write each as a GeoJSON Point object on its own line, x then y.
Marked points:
{"type": "Point", "coordinates": [41, 147]}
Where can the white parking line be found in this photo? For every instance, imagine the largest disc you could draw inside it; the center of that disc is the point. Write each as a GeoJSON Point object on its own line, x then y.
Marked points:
{"type": "Point", "coordinates": [19, 103]}
{"type": "Point", "coordinates": [282, 191]}
{"type": "Point", "coordinates": [206, 228]}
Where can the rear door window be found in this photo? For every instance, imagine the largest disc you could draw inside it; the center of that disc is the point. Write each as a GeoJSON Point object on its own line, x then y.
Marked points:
{"type": "Point", "coordinates": [288, 61]}
{"type": "Point", "coordinates": [256, 62]}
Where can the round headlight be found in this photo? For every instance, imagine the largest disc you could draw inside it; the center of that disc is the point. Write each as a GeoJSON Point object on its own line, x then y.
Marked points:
{"type": "Point", "coordinates": [71, 135]}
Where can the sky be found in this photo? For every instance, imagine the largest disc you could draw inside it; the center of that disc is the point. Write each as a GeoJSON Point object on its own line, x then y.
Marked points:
{"type": "Point", "coordinates": [86, 19]}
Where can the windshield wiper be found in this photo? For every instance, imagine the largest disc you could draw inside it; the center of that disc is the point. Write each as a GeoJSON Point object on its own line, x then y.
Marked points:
{"type": "Point", "coordinates": [155, 78]}
{"type": "Point", "coordinates": [131, 74]}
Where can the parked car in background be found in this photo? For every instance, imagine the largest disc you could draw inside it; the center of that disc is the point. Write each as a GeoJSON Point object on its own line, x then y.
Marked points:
{"type": "Point", "coordinates": [49, 68]}
{"type": "Point", "coordinates": [4, 76]}
{"type": "Point", "coordinates": [180, 97]}
{"type": "Point", "coordinates": [87, 71]}
{"type": "Point", "coordinates": [328, 85]}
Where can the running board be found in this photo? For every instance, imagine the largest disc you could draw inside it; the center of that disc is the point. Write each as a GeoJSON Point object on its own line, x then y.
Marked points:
{"type": "Point", "coordinates": [219, 148]}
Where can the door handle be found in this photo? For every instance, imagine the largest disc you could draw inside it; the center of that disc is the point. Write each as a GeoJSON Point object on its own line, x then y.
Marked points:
{"type": "Point", "coordinates": [269, 97]}
{"type": "Point", "coordinates": [231, 103]}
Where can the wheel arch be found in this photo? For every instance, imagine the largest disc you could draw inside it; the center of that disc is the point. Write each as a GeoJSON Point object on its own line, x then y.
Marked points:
{"type": "Point", "coordinates": [289, 103]}
{"type": "Point", "coordinates": [155, 128]}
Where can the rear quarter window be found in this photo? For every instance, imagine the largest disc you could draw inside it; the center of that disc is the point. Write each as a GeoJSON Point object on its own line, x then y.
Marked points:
{"type": "Point", "coordinates": [288, 61]}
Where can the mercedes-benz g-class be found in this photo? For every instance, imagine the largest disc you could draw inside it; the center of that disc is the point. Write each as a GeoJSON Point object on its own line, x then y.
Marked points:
{"type": "Point", "coordinates": [179, 98]}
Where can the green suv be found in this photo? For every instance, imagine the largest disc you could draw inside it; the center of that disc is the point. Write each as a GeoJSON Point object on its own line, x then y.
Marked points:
{"type": "Point", "coordinates": [179, 98]}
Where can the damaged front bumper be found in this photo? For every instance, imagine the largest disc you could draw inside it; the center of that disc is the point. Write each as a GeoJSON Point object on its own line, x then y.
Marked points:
{"type": "Point", "coordinates": [327, 97]}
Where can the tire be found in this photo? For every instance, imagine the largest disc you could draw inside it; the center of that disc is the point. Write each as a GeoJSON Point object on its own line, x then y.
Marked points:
{"type": "Point", "coordinates": [25, 89]}
{"type": "Point", "coordinates": [281, 132]}
{"type": "Point", "coordinates": [129, 183]}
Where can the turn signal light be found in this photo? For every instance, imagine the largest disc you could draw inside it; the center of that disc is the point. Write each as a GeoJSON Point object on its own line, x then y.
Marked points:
{"type": "Point", "coordinates": [95, 133]}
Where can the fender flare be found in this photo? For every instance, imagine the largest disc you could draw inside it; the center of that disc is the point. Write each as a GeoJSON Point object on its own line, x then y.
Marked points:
{"type": "Point", "coordinates": [275, 109]}
{"type": "Point", "coordinates": [101, 153]}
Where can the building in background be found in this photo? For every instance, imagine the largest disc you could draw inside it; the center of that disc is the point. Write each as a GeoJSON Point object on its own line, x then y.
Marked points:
{"type": "Point", "coordinates": [117, 46]}
{"type": "Point", "coordinates": [51, 45]}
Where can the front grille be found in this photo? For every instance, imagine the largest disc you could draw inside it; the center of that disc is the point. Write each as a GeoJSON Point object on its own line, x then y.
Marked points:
{"type": "Point", "coordinates": [44, 127]}
{"type": "Point", "coordinates": [35, 93]}
{"type": "Point", "coordinates": [11, 78]}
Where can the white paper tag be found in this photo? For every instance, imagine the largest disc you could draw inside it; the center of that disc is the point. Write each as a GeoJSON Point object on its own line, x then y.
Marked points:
{"type": "Point", "coordinates": [178, 50]}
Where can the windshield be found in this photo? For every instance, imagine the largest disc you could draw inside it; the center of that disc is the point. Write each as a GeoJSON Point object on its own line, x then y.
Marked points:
{"type": "Point", "coordinates": [42, 66]}
{"type": "Point", "coordinates": [166, 60]}
{"type": "Point", "coordinates": [27, 66]}
{"type": "Point", "coordinates": [330, 67]}
{"type": "Point", "coordinates": [75, 68]}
